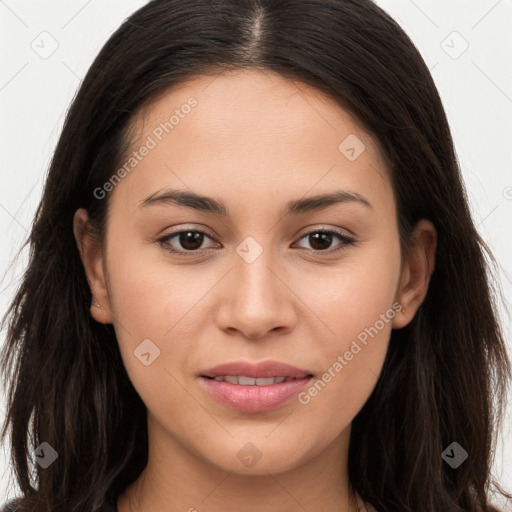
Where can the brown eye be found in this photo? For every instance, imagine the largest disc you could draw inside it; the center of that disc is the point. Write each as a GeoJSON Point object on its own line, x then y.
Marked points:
{"type": "Point", "coordinates": [321, 240]}
{"type": "Point", "coordinates": [189, 240]}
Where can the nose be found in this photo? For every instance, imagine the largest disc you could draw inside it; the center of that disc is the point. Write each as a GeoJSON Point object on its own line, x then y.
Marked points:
{"type": "Point", "coordinates": [256, 299]}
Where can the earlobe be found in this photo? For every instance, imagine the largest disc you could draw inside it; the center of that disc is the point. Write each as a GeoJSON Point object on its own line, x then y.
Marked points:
{"type": "Point", "coordinates": [416, 273]}
{"type": "Point", "coordinates": [92, 260]}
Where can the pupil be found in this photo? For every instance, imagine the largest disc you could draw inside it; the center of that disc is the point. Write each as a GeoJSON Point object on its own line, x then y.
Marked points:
{"type": "Point", "coordinates": [324, 239]}
{"type": "Point", "coordinates": [189, 239]}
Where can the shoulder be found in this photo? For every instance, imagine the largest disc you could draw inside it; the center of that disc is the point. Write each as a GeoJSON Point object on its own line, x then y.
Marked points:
{"type": "Point", "coordinates": [10, 506]}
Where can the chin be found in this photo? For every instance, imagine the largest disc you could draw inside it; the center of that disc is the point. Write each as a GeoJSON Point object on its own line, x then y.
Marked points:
{"type": "Point", "coordinates": [258, 457]}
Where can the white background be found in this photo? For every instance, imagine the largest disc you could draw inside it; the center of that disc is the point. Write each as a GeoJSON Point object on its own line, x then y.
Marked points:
{"type": "Point", "coordinates": [475, 86]}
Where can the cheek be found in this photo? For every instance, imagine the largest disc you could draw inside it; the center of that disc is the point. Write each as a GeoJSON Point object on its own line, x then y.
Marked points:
{"type": "Point", "coordinates": [153, 329]}
{"type": "Point", "coordinates": [151, 296]}
{"type": "Point", "coordinates": [353, 304]}
{"type": "Point", "coordinates": [351, 295]}
{"type": "Point", "coordinates": [157, 308]}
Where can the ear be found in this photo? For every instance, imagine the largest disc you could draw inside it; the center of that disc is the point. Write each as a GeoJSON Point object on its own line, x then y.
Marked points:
{"type": "Point", "coordinates": [416, 273]}
{"type": "Point", "coordinates": [93, 261]}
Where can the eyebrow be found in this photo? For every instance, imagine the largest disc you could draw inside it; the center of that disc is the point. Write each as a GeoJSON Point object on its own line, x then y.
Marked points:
{"type": "Point", "coordinates": [210, 205]}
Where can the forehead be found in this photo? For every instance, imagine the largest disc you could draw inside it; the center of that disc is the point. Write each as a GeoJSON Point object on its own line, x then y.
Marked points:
{"type": "Point", "coordinates": [253, 133]}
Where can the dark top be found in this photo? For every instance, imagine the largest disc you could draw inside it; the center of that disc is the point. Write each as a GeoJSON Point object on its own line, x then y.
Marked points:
{"type": "Point", "coordinates": [9, 506]}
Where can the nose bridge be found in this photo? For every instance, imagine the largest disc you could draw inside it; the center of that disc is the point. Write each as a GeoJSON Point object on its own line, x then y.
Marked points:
{"type": "Point", "coordinates": [256, 285]}
{"type": "Point", "coordinates": [257, 300]}
{"type": "Point", "coordinates": [255, 280]}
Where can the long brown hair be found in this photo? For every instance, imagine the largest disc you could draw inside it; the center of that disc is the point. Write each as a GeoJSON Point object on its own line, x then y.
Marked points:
{"type": "Point", "coordinates": [446, 373]}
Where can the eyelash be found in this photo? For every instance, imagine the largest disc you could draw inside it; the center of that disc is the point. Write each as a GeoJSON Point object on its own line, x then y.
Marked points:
{"type": "Point", "coordinates": [346, 241]}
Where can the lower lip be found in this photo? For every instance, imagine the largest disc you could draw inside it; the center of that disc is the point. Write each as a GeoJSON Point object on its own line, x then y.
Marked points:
{"type": "Point", "coordinates": [254, 398]}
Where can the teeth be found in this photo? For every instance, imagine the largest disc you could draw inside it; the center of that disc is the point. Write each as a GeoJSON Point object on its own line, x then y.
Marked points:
{"type": "Point", "coordinates": [242, 380]}
{"type": "Point", "coordinates": [247, 381]}
{"type": "Point", "coordinates": [264, 382]}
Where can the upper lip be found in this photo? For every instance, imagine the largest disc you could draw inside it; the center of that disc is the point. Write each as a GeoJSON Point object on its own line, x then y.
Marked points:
{"type": "Point", "coordinates": [256, 370]}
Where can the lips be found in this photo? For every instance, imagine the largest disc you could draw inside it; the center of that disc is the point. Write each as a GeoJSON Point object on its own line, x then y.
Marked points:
{"type": "Point", "coordinates": [265, 369]}
{"type": "Point", "coordinates": [254, 387]}
{"type": "Point", "coordinates": [243, 380]}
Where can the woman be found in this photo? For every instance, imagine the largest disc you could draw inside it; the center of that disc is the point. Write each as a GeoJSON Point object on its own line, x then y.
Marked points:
{"type": "Point", "coordinates": [331, 342]}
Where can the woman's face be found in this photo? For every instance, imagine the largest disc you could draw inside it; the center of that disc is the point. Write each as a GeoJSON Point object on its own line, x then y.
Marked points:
{"type": "Point", "coordinates": [263, 283]}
